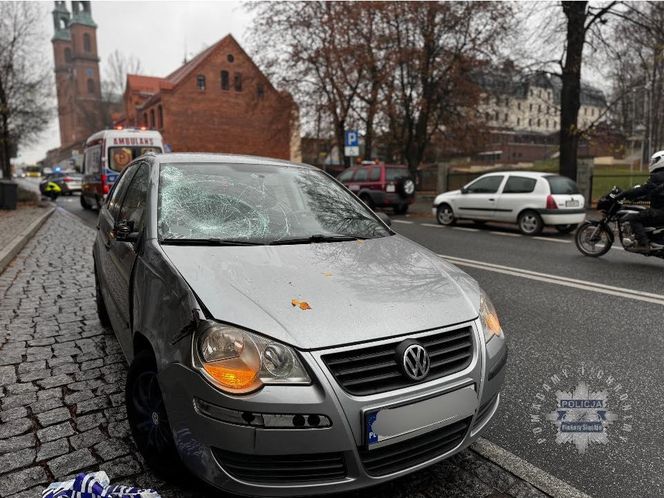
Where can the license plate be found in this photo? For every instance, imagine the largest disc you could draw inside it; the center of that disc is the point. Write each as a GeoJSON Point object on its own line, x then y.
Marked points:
{"type": "Point", "coordinates": [571, 204]}
{"type": "Point", "coordinates": [390, 188]}
{"type": "Point", "coordinates": [388, 424]}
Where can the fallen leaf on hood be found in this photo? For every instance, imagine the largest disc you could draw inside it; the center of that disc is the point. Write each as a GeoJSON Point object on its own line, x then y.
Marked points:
{"type": "Point", "coordinates": [360, 241]}
{"type": "Point", "coordinates": [303, 305]}
{"type": "Point", "coordinates": [327, 274]}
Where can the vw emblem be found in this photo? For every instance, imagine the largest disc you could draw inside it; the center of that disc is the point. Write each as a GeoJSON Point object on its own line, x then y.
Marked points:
{"type": "Point", "coordinates": [415, 362]}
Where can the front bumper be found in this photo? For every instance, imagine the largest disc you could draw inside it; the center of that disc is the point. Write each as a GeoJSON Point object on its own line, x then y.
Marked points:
{"type": "Point", "coordinates": [236, 456]}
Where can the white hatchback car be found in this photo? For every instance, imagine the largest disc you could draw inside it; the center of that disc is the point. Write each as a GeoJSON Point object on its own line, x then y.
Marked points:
{"type": "Point", "coordinates": [529, 199]}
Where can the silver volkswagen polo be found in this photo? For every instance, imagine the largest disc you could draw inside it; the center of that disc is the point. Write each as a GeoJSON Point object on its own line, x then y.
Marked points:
{"type": "Point", "coordinates": [282, 339]}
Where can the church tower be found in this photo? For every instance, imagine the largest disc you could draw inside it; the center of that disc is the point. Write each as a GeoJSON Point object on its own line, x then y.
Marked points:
{"type": "Point", "coordinates": [76, 72]}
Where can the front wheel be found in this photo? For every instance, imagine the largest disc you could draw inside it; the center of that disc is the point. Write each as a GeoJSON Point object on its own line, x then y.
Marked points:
{"type": "Point", "coordinates": [593, 239]}
{"type": "Point", "coordinates": [445, 215]}
{"type": "Point", "coordinates": [148, 420]}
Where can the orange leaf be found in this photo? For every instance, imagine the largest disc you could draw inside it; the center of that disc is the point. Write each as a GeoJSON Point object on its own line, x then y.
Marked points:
{"type": "Point", "coordinates": [303, 305]}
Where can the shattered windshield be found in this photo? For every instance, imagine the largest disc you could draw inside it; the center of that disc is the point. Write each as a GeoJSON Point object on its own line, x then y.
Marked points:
{"type": "Point", "coordinates": [258, 203]}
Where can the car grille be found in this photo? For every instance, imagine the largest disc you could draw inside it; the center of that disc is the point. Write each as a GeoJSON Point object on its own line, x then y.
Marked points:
{"type": "Point", "coordinates": [374, 369]}
{"type": "Point", "coordinates": [271, 469]}
{"type": "Point", "coordinates": [484, 410]}
{"type": "Point", "coordinates": [411, 452]}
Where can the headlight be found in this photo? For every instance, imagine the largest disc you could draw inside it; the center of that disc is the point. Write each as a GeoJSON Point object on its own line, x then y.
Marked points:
{"type": "Point", "coordinates": [489, 318]}
{"type": "Point", "coordinates": [239, 362]}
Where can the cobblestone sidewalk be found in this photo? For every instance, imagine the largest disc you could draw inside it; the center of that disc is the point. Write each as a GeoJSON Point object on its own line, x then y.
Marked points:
{"type": "Point", "coordinates": [12, 223]}
{"type": "Point", "coordinates": [62, 386]}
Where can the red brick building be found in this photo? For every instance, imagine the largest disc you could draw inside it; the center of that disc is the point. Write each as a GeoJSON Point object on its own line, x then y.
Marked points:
{"type": "Point", "coordinates": [219, 101]}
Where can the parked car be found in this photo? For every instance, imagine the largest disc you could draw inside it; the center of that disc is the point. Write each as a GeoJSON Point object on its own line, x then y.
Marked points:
{"type": "Point", "coordinates": [279, 342]}
{"type": "Point", "coordinates": [381, 185]}
{"type": "Point", "coordinates": [532, 200]}
{"type": "Point", "coordinates": [68, 181]}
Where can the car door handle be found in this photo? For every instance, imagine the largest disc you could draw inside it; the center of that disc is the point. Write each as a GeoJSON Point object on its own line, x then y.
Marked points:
{"type": "Point", "coordinates": [492, 200]}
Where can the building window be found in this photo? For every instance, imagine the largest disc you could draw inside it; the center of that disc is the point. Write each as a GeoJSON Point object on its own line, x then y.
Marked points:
{"type": "Point", "coordinates": [87, 43]}
{"type": "Point", "coordinates": [237, 83]}
{"type": "Point", "coordinates": [506, 117]}
{"type": "Point", "coordinates": [555, 124]}
{"type": "Point", "coordinates": [592, 112]}
{"type": "Point", "coordinates": [230, 58]}
{"type": "Point", "coordinates": [497, 116]}
{"type": "Point", "coordinates": [152, 118]}
{"type": "Point", "coordinates": [585, 111]}
{"type": "Point", "coordinates": [539, 108]}
{"type": "Point", "coordinates": [518, 121]}
{"type": "Point", "coordinates": [67, 54]}
{"type": "Point", "coordinates": [224, 80]}
{"type": "Point", "coordinates": [160, 117]}
{"type": "Point", "coordinates": [530, 122]}
{"type": "Point", "coordinates": [260, 90]}
{"type": "Point", "coordinates": [539, 123]}
{"type": "Point", "coordinates": [145, 119]}
{"type": "Point", "coordinates": [546, 123]}
{"type": "Point", "coordinates": [518, 105]}
{"type": "Point", "coordinates": [200, 82]}
{"type": "Point", "coordinates": [530, 107]}
{"type": "Point", "coordinates": [91, 86]}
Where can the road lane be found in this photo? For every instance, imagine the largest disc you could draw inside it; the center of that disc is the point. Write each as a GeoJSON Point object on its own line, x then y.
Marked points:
{"type": "Point", "coordinates": [562, 310]}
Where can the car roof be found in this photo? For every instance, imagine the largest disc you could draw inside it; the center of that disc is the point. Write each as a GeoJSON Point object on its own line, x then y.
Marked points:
{"type": "Point", "coordinates": [526, 174]}
{"type": "Point", "coordinates": [199, 157]}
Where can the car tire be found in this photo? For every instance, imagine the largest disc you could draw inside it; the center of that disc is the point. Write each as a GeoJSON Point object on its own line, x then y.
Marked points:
{"type": "Point", "coordinates": [565, 229]}
{"type": "Point", "coordinates": [366, 198]}
{"type": "Point", "coordinates": [84, 203]}
{"type": "Point", "coordinates": [530, 223]}
{"type": "Point", "coordinates": [445, 215]}
{"type": "Point", "coordinates": [102, 312]}
{"type": "Point", "coordinates": [406, 187]}
{"type": "Point", "coordinates": [148, 420]}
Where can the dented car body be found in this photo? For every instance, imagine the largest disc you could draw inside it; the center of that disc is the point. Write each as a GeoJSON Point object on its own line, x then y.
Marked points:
{"type": "Point", "coordinates": [282, 339]}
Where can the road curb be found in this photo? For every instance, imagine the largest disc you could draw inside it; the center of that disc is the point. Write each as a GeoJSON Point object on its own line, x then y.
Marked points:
{"type": "Point", "coordinates": [8, 253]}
{"type": "Point", "coordinates": [526, 471]}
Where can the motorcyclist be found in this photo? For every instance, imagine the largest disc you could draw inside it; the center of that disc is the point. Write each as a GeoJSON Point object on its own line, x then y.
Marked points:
{"type": "Point", "coordinates": [652, 190]}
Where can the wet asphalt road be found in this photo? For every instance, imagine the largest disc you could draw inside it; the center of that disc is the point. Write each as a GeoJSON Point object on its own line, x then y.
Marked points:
{"type": "Point", "coordinates": [554, 330]}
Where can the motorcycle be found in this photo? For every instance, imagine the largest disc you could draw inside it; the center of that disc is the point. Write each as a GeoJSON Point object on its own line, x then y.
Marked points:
{"type": "Point", "coordinates": [595, 237]}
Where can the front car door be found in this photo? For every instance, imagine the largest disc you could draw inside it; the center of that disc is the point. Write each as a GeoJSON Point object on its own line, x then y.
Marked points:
{"type": "Point", "coordinates": [517, 194]}
{"type": "Point", "coordinates": [479, 200]}
{"type": "Point", "coordinates": [122, 255]}
{"type": "Point", "coordinates": [108, 215]}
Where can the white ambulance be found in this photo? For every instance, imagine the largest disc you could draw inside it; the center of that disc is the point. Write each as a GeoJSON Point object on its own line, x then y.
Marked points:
{"type": "Point", "coordinates": [107, 153]}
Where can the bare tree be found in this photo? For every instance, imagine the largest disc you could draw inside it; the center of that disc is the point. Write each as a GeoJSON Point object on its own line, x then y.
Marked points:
{"type": "Point", "coordinates": [25, 82]}
{"type": "Point", "coordinates": [118, 66]}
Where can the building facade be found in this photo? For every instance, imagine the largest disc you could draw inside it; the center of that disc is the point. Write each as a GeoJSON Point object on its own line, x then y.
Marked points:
{"type": "Point", "coordinates": [77, 78]}
{"type": "Point", "coordinates": [219, 101]}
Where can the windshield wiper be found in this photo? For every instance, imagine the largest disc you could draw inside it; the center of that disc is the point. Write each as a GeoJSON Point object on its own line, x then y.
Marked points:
{"type": "Point", "coordinates": [212, 241]}
{"type": "Point", "coordinates": [315, 238]}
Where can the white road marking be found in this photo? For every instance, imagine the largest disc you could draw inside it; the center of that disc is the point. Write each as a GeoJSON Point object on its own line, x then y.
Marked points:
{"type": "Point", "coordinates": [466, 229]}
{"type": "Point", "coordinates": [432, 225]}
{"type": "Point", "coordinates": [403, 221]}
{"type": "Point", "coordinates": [549, 239]}
{"type": "Point", "coordinates": [507, 234]}
{"type": "Point", "coordinates": [559, 280]}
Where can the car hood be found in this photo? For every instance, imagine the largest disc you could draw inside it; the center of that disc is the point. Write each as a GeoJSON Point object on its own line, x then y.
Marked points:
{"type": "Point", "coordinates": [354, 291]}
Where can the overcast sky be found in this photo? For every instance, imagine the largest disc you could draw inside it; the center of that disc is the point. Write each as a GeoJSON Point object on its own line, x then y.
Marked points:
{"type": "Point", "coordinates": [155, 32]}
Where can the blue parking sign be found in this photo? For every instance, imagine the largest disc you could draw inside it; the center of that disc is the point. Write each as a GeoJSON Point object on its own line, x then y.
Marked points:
{"type": "Point", "coordinates": [352, 138]}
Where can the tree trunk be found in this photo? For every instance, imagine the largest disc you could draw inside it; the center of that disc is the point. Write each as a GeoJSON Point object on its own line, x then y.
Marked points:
{"type": "Point", "coordinates": [570, 98]}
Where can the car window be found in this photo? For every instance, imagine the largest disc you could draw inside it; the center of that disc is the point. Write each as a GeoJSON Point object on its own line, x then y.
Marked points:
{"type": "Point", "coordinates": [485, 185]}
{"type": "Point", "coordinates": [561, 185]}
{"type": "Point", "coordinates": [395, 173]}
{"type": "Point", "coordinates": [374, 174]}
{"type": "Point", "coordinates": [519, 185]}
{"type": "Point", "coordinates": [134, 202]}
{"type": "Point", "coordinates": [346, 175]}
{"type": "Point", "coordinates": [258, 203]}
{"type": "Point", "coordinates": [119, 190]}
{"type": "Point", "coordinates": [361, 175]}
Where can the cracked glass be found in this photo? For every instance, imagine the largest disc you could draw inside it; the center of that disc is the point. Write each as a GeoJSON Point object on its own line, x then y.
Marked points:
{"type": "Point", "coordinates": [258, 203]}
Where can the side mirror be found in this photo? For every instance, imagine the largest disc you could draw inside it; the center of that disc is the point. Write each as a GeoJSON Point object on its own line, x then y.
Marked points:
{"type": "Point", "coordinates": [385, 219]}
{"type": "Point", "coordinates": [464, 190]}
{"type": "Point", "coordinates": [124, 231]}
